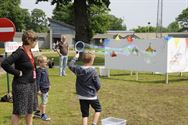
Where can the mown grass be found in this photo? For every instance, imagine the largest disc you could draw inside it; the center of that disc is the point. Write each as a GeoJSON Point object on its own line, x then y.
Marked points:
{"type": "Point", "coordinates": [148, 101]}
{"type": "Point", "coordinates": [99, 59]}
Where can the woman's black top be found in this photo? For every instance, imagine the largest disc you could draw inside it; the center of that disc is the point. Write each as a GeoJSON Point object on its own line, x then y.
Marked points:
{"type": "Point", "coordinates": [22, 63]}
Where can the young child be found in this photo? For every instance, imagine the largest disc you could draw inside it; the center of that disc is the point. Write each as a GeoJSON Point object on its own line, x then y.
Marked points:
{"type": "Point", "coordinates": [87, 85]}
{"type": "Point", "coordinates": [43, 84]}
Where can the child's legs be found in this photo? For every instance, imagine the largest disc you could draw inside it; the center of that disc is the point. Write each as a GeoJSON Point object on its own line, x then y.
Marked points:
{"type": "Point", "coordinates": [97, 107]}
{"type": "Point", "coordinates": [96, 117]}
{"type": "Point", "coordinates": [44, 101]}
{"type": "Point", "coordinates": [84, 107]}
{"type": "Point", "coordinates": [42, 108]}
{"type": "Point", "coordinates": [84, 120]}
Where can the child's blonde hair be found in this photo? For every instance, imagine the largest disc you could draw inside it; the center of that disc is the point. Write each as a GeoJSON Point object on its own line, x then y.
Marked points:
{"type": "Point", "coordinates": [88, 58]}
{"type": "Point", "coordinates": [42, 59]}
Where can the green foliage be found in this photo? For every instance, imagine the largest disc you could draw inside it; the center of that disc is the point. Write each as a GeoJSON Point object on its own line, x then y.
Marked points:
{"type": "Point", "coordinates": [11, 10]}
{"type": "Point", "coordinates": [182, 19]}
{"type": "Point", "coordinates": [100, 20]}
{"type": "Point", "coordinates": [38, 21]}
{"type": "Point", "coordinates": [81, 16]}
{"type": "Point", "coordinates": [64, 13]}
{"type": "Point", "coordinates": [22, 18]}
{"type": "Point", "coordinates": [173, 27]}
{"type": "Point", "coordinates": [116, 23]}
{"type": "Point", "coordinates": [144, 29]}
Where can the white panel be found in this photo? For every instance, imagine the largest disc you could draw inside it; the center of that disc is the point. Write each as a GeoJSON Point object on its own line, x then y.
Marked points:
{"type": "Point", "coordinates": [177, 55]}
{"type": "Point", "coordinates": [12, 46]}
{"type": "Point", "coordinates": [143, 59]}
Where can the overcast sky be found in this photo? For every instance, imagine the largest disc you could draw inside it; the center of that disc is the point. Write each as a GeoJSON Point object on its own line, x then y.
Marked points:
{"type": "Point", "coordinates": [134, 12]}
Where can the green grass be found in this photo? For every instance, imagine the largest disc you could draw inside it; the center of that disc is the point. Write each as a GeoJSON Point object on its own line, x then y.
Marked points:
{"type": "Point", "coordinates": [148, 101]}
{"type": "Point", "coordinates": [2, 50]}
{"type": "Point", "coordinates": [99, 59]}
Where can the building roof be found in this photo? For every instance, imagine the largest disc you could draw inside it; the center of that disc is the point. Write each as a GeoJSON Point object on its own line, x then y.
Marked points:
{"type": "Point", "coordinates": [179, 35]}
{"type": "Point", "coordinates": [62, 23]}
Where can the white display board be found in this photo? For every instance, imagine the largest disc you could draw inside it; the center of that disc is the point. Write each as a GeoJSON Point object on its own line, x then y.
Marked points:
{"type": "Point", "coordinates": [177, 60]}
{"type": "Point", "coordinates": [12, 46]}
{"type": "Point", "coordinates": [153, 55]}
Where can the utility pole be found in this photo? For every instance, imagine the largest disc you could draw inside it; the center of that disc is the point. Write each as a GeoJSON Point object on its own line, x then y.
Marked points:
{"type": "Point", "coordinates": [148, 29]}
{"type": "Point", "coordinates": [159, 24]}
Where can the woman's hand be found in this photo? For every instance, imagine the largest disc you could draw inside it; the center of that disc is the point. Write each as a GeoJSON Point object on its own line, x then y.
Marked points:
{"type": "Point", "coordinates": [39, 92]}
{"type": "Point", "coordinates": [21, 73]}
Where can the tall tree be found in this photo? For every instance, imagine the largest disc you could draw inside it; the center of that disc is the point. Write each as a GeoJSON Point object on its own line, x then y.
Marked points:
{"type": "Point", "coordinates": [10, 9]}
{"type": "Point", "coordinates": [182, 19]}
{"type": "Point", "coordinates": [64, 13]}
{"type": "Point", "coordinates": [99, 19]}
{"type": "Point", "coordinates": [116, 23]}
{"type": "Point", "coordinates": [173, 27]}
{"type": "Point", "coordinates": [27, 19]}
{"type": "Point", "coordinates": [81, 11]}
{"type": "Point", "coordinates": [38, 21]}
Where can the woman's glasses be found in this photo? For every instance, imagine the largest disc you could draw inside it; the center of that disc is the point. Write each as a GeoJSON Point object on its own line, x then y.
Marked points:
{"type": "Point", "coordinates": [33, 38]}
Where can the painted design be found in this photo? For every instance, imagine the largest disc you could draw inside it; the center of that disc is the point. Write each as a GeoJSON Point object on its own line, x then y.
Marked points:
{"type": "Point", "coordinates": [129, 39]}
{"type": "Point", "coordinates": [150, 49]}
{"type": "Point", "coordinates": [113, 54]}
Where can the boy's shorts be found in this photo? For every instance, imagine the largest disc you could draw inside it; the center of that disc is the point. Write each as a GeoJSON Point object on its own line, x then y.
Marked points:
{"type": "Point", "coordinates": [84, 106]}
{"type": "Point", "coordinates": [44, 98]}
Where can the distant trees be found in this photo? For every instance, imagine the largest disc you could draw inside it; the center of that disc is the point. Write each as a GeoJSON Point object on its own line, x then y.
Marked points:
{"type": "Point", "coordinates": [64, 13]}
{"type": "Point", "coordinates": [99, 18]}
{"type": "Point", "coordinates": [182, 20]}
{"type": "Point", "coordinates": [173, 27]}
{"type": "Point", "coordinates": [21, 17]}
{"type": "Point", "coordinates": [11, 10]}
{"type": "Point", "coordinates": [38, 21]}
{"type": "Point", "coordinates": [81, 9]}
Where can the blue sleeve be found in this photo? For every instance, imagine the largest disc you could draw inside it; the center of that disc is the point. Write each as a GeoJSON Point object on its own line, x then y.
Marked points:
{"type": "Point", "coordinates": [96, 81]}
{"type": "Point", "coordinates": [38, 71]}
{"type": "Point", "coordinates": [7, 63]}
{"type": "Point", "coordinates": [75, 68]}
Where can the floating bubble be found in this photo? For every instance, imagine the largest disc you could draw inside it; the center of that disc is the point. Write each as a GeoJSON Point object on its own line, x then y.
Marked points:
{"type": "Point", "coordinates": [167, 38]}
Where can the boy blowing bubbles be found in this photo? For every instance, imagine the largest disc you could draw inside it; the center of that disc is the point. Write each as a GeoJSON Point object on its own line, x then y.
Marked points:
{"type": "Point", "coordinates": [87, 86]}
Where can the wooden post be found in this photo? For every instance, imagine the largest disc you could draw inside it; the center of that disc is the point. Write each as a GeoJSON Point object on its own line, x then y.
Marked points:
{"type": "Point", "coordinates": [166, 78]}
{"type": "Point", "coordinates": [131, 73]}
{"type": "Point", "coordinates": [136, 76]}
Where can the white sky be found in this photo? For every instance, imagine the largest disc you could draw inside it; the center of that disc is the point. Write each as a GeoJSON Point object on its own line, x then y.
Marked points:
{"type": "Point", "coordinates": [134, 12]}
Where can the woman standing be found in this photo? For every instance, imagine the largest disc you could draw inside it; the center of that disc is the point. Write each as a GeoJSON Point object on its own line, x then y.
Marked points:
{"type": "Point", "coordinates": [23, 84]}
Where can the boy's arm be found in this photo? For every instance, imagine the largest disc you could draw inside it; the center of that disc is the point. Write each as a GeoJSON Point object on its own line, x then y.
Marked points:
{"type": "Point", "coordinates": [96, 81]}
{"type": "Point", "coordinates": [73, 67]}
{"type": "Point", "coordinates": [38, 79]}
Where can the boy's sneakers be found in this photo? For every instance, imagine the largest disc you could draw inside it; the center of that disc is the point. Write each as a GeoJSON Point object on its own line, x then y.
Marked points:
{"type": "Point", "coordinates": [37, 114]}
{"type": "Point", "coordinates": [45, 117]}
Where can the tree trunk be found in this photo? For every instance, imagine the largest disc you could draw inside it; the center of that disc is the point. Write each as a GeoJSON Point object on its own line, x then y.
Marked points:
{"type": "Point", "coordinates": [81, 21]}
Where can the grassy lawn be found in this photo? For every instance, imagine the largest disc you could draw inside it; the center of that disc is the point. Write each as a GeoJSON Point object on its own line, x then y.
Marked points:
{"type": "Point", "coordinates": [148, 101]}
{"type": "Point", "coordinates": [99, 59]}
